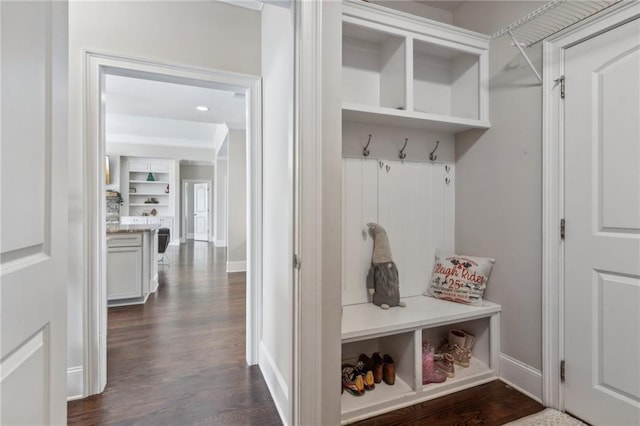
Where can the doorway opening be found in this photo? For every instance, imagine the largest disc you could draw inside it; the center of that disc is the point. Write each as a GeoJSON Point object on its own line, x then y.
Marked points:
{"type": "Point", "coordinates": [197, 209]}
{"type": "Point", "coordinates": [100, 67]}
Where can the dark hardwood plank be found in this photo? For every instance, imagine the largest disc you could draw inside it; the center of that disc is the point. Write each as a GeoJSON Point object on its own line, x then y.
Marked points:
{"type": "Point", "coordinates": [491, 404]}
{"type": "Point", "coordinates": [180, 358]}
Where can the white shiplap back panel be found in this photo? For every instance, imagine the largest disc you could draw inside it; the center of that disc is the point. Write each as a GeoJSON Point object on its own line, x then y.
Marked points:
{"type": "Point", "coordinates": [415, 205]}
{"type": "Point", "coordinates": [442, 212]}
{"type": "Point", "coordinates": [403, 203]}
{"type": "Point", "coordinates": [416, 229]}
{"type": "Point", "coordinates": [360, 205]}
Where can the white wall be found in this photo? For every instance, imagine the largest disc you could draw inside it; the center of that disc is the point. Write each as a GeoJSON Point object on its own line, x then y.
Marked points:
{"type": "Point", "coordinates": [276, 360]}
{"type": "Point", "coordinates": [176, 32]}
{"type": "Point", "coordinates": [499, 191]}
{"type": "Point", "coordinates": [220, 203]}
{"type": "Point", "coordinates": [237, 201]}
{"type": "Point", "coordinates": [155, 151]}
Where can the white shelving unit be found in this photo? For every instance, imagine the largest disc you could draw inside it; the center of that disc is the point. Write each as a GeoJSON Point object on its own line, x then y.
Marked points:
{"type": "Point", "coordinates": [400, 333]}
{"type": "Point", "coordinates": [420, 79]}
{"type": "Point", "coordinates": [402, 70]}
{"type": "Point", "coordinates": [142, 190]}
{"type": "Point", "coordinates": [144, 179]}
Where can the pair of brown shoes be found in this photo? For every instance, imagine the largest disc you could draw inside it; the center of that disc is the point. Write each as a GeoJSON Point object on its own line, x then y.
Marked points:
{"type": "Point", "coordinates": [382, 367]}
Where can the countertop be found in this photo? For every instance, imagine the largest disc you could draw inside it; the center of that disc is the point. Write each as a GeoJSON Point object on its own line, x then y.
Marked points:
{"type": "Point", "coordinates": [121, 229]}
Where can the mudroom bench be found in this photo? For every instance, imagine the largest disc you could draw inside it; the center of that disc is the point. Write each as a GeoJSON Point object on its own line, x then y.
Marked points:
{"type": "Point", "coordinates": [400, 332]}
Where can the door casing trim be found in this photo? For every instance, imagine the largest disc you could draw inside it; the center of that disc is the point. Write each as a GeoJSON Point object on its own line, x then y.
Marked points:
{"type": "Point", "coordinates": [96, 65]}
{"type": "Point", "coordinates": [553, 189]}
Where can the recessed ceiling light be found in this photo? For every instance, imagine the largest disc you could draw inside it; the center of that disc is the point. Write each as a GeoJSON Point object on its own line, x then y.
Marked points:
{"type": "Point", "coordinates": [202, 108]}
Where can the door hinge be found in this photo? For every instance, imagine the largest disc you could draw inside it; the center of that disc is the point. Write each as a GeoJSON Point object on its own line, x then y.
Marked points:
{"type": "Point", "coordinates": [562, 88]}
{"type": "Point", "coordinates": [562, 370]}
{"type": "Point", "coordinates": [562, 229]}
{"type": "Point", "coordinates": [297, 262]}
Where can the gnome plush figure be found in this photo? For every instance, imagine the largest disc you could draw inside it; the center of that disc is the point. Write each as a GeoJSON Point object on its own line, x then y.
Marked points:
{"type": "Point", "coordinates": [382, 280]}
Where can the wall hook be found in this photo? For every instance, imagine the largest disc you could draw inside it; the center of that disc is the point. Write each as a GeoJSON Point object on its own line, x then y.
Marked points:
{"type": "Point", "coordinates": [365, 150]}
{"type": "Point", "coordinates": [403, 154]}
{"type": "Point", "coordinates": [432, 155]}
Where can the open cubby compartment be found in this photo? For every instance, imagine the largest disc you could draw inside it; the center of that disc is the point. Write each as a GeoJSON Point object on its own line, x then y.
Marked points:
{"type": "Point", "coordinates": [373, 67]}
{"type": "Point", "coordinates": [481, 367]}
{"type": "Point", "coordinates": [401, 347]}
{"type": "Point", "coordinates": [446, 81]}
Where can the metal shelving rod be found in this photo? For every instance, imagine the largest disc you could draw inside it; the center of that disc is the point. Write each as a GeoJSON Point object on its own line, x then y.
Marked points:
{"type": "Point", "coordinates": [547, 20]}
{"type": "Point", "coordinates": [526, 58]}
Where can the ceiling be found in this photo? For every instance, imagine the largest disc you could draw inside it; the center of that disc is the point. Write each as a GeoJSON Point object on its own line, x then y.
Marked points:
{"type": "Point", "coordinates": [443, 4]}
{"type": "Point", "coordinates": [160, 113]}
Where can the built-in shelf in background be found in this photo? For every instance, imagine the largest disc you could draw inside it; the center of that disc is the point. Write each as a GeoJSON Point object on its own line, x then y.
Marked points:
{"type": "Point", "coordinates": [149, 181]}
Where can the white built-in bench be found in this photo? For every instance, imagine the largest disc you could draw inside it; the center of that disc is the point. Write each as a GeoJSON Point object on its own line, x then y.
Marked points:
{"type": "Point", "coordinates": [400, 332]}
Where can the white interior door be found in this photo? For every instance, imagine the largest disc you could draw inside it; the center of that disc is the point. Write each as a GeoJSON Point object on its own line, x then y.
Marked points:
{"type": "Point", "coordinates": [33, 223]}
{"type": "Point", "coordinates": [602, 211]}
{"type": "Point", "coordinates": [201, 211]}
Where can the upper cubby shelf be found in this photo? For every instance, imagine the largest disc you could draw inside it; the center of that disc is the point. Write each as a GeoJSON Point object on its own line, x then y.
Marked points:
{"type": "Point", "coordinates": [361, 113]}
{"type": "Point", "coordinates": [402, 70]}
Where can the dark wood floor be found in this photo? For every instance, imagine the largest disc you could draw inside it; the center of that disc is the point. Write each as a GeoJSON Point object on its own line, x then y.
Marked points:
{"type": "Point", "coordinates": [492, 404]}
{"type": "Point", "coordinates": [179, 360]}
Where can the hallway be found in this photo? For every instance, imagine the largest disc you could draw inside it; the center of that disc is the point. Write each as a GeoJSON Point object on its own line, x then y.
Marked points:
{"type": "Point", "coordinates": [179, 358]}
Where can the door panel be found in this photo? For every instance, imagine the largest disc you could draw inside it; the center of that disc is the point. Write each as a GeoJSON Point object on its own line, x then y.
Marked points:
{"type": "Point", "coordinates": [602, 211]}
{"type": "Point", "coordinates": [20, 370]}
{"type": "Point", "coordinates": [34, 215]}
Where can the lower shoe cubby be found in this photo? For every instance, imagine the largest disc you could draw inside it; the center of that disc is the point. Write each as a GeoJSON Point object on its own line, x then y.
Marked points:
{"type": "Point", "coordinates": [401, 347]}
{"type": "Point", "coordinates": [480, 366]}
{"type": "Point", "coordinates": [400, 332]}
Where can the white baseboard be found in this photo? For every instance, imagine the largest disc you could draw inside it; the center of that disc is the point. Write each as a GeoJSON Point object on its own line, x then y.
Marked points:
{"type": "Point", "coordinates": [154, 284]}
{"type": "Point", "coordinates": [220, 243]}
{"type": "Point", "coordinates": [275, 382]}
{"type": "Point", "coordinates": [237, 266]}
{"type": "Point", "coordinates": [521, 377]}
{"type": "Point", "coordinates": [75, 383]}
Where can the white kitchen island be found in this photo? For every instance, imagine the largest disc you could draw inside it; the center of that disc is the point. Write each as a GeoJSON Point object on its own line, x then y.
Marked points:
{"type": "Point", "coordinates": [132, 267]}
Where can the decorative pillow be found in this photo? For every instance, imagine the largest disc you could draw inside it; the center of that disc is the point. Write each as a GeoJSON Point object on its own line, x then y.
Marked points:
{"type": "Point", "coordinates": [460, 279]}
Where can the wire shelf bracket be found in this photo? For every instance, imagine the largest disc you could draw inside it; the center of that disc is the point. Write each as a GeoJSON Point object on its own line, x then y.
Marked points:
{"type": "Point", "coordinates": [547, 20]}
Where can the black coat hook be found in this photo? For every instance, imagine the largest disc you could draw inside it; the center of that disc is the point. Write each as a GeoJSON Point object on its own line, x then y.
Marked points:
{"type": "Point", "coordinates": [403, 154]}
{"type": "Point", "coordinates": [365, 150]}
{"type": "Point", "coordinates": [432, 155]}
